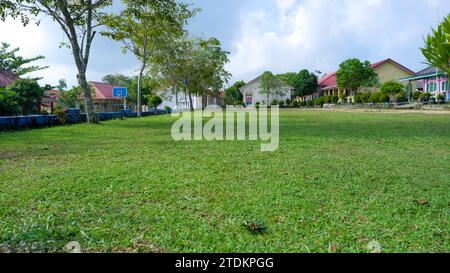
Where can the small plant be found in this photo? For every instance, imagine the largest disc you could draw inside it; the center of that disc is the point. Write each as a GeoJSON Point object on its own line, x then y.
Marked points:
{"type": "Point", "coordinates": [274, 102]}
{"type": "Point", "coordinates": [257, 105]}
{"type": "Point", "coordinates": [416, 95]}
{"type": "Point", "coordinates": [296, 103]}
{"type": "Point", "coordinates": [167, 108]}
{"type": "Point", "coordinates": [255, 226]}
{"type": "Point", "coordinates": [288, 102]}
{"type": "Point", "coordinates": [281, 103]}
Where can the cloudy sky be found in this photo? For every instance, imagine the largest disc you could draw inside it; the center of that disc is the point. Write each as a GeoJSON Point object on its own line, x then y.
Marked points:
{"type": "Point", "coordinates": [276, 35]}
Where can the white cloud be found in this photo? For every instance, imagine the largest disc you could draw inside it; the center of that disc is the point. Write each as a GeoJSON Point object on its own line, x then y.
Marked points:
{"type": "Point", "coordinates": [319, 35]}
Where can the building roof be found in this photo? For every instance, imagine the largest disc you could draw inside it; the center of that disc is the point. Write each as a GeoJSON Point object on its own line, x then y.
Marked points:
{"type": "Point", "coordinates": [7, 77]}
{"type": "Point", "coordinates": [103, 91]}
{"type": "Point", "coordinates": [329, 81]}
{"type": "Point", "coordinates": [428, 72]}
{"type": "Point", "coordinates": [50, 96]}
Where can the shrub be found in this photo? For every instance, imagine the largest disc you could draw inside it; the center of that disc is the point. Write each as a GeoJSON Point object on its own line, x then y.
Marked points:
{"type": "Point", "coordinates": [44, 112]}
{"type": "Point", "coordinates": [310, 103]}
{"type": "Point", "coordinates": [154, 101]}
{"type": "Point", "coordinates": [296, 103]}
{"type": "Point", "coordinates": [61, 114]}
{"type": "Point", "coordinates": [392, 88]}
{"type": "Point", "coordinates": [281, 103]}
{"type": "Point", "coordinates": [274, 102]}
{"type": "Point", "coordinates": [334, 99]}
{"type": "Point", "coordinates": [257, 105]}
{"type": "Point", "coordinates": [303, 103]}
{"type": "Point", "coordinates": [401, 97]}
{"type": "Point", "coordinates": [358, 98]}
{"type": "Point", "coordinates": [167, 108]}
{"type": "Point", "coordinates": [416, 95]}
{"type": "Point", "coordinates": [375, 97]}
{"type": "Point", "coordinates": [440, 98]}
{"type": "Point", "coordinates": [288, 102]}
{"type": "Point", "coordinates": [29, 94]}
{"type": "Point", "coordinates": [8, 103]}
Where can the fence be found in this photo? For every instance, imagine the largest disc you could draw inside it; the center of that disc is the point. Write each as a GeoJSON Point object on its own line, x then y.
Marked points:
{"type": "Point", "coordinates": [72, 116]}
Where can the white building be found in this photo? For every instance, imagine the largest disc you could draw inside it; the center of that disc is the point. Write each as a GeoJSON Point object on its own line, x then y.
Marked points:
{"type": "Point", "coordinates": [182, 102]}
{"type": "Point", "coordinates": [252, 93]}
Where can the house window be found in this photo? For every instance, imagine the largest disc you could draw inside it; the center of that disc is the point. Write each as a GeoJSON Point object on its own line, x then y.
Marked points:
{"type": "Point", "coordinates": [445, 86]}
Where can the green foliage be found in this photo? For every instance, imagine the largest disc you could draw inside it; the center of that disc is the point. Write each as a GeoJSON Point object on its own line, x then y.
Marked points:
{"type": "Point", "coordinates": [167, 108]}
{"type": "Point", "coordinates": [69, 99]}
{"type": "Point", "coordinates": [416, 95]}
{"type": "Point", "coordinates": [296, 103]}
{"type": "Point", "coordinates": [154, 101]}
{"type": "Point", "coordinates": [440, 97]}
{"type": "Point", "coordinates": [257, 105]}
{"type": "Point", "coordinates": [232, 94]}
{"type": "Point", "coordinates": [353, 74]}
{"type": "Point", "coordinates": [392, 88]}
{"type": "Point", "coordinates": [270, 85]}
{"type": "Point", "coordinates": [401, 97]}
{"type": "Point", "coordinates": [28, 94]}
{"type": "Point", "coordinates": [363, 97]}
{"type": "Point", "coordinates": [437, 46]}
{"type": "Point", "coordinates": [288, 102]}
{"type": "Point", "coordinates": [304, 82]}
{"type": "Point", "coordinates": [8, 103]}
{"type": "Point", "coordinates": [378, 97]}
{"type": "Point", "coordinates": [17, 64]}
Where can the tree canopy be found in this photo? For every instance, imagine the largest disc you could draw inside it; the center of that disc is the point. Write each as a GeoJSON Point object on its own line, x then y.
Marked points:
{"type": "Point", "coordinates": [232, 94]}
{"type": "Point", "coordinates": [270, 85]}
{"type": "Point", "coordinates": [144, 28]}
{"type": "Point", "coordinates": [77, 19]}
{"type": "Point", "coordinates": [9, 60]}
{"type": "Point", "coordinates": [437, 46]}
{"type": "Point", "coordinates": [353, 74]}
{"type": "Point", "coordinates": [304, 82]}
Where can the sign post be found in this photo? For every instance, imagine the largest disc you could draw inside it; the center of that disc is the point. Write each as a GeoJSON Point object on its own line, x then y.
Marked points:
{"type": "Point", "coordinates": [120, 92]}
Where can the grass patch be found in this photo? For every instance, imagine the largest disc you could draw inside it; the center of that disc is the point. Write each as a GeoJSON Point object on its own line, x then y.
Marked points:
{"type": "Point", "coordinates": [339, 179]}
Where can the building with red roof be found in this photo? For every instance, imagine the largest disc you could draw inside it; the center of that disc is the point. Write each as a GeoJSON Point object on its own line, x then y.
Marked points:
{"type": "Point", "coordinates": [103, 97]}
{"type": "Point", "coordinates": [387, 70]}
{"type": "Point", "coordinates": [7, 77]}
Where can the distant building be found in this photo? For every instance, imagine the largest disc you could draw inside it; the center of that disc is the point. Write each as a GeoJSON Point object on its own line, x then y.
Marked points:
{"type": "Point", "coordinates": [252, 93]}
{"type": "Point", "coordinates": [103, 98]}
{"type": "Point", "coordinates": [387, 70]}
{"type": "Point", "coordinates": [50, 100]}
{"type": "Point", "coordinates": [181, 101]}
{"type": "Point", "coordinates": [431, 80]}
{"type": "Point", "coordinates": [7, 77]}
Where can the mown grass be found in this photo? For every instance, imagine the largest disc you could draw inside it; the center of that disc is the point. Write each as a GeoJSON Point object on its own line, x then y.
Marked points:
{"type": "Point", "coordinates": [338, 180]}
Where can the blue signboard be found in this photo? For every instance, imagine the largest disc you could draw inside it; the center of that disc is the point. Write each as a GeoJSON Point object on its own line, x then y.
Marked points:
{"type": "Point", "coordinates": [119, 92]}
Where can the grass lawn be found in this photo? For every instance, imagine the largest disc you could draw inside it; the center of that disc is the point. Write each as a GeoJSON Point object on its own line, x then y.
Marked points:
{"type": "Point", "coordinates": [338, 179]}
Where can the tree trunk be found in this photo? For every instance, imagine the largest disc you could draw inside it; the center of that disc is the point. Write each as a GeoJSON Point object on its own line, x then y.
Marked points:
{"type": "Point", "coordinates": [139, 91]}
{"type": "Point", "coordinates": [190, 101]}
{"type": "Point", "coordinates": [88, 102]}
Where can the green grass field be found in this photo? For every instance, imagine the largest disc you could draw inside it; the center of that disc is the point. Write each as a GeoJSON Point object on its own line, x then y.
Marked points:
{"type": "Point", "coordinates": [338, 180]}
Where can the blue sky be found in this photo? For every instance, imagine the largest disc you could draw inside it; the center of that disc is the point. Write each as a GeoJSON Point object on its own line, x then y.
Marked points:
{"type": "Point", "coordinates": [276, 35]}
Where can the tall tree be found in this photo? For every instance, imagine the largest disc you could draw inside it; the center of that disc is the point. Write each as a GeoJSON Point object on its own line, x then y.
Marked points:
{"type": "Point", "coordinates": [353, 74]}
{"type": "Point", "coordinates": [437, 46]}
{"type": "Point", "coordinates": [144, 27]}
{"type": "Point", "coordinates": [233, 95]}
{"type": "Point", "coordinates": [269, 85]}
{"type": "Point", "coordinates": [304, 82]}
{"type": "Point", "coordinates": [206, 73]}
{"type": "Point", "coordinates": [10, 61]}
{"type": "Point", "coordinates": [78, 20]}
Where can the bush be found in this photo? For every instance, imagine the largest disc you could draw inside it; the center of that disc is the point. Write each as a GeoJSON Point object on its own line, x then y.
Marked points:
{"type": "Point", "coordinates": [154, 101]}
{"type": "Point", "coordinates": [303, 104]}
{"type": "Point", "coordinates": [257, 105]}
{"type": "Point", "coordinates": [28, 94]}
{"type": "Point", "coordinates": [296, 103]}
{"type": "Point", "coordinates": [392, 88]}
{"type": "Point", "coordinates": [334, 99]}
{"type": "Point", "coordinates": [416, 95]}
{"type": "Point", "coordinates": [310, 103]}
{"type": "Point", "coordinates": [44, 112]}
{"type": "Point", "coordinates": [281, 103]}
{"type": "Point", "coordinates": [401, 97]}
{"type": "Point", "coordinates": [61, 114]}
{"type": "Point", "coordinates": [440, 98]}
{"type": "Point", "coordinates": [8, 103]}
{"type": "Point", "coordinates": [167, 108]}
{"type": "Point", "coordinates": [288, 102]}
{"type": "Point", "coordinates": [274, 102]}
